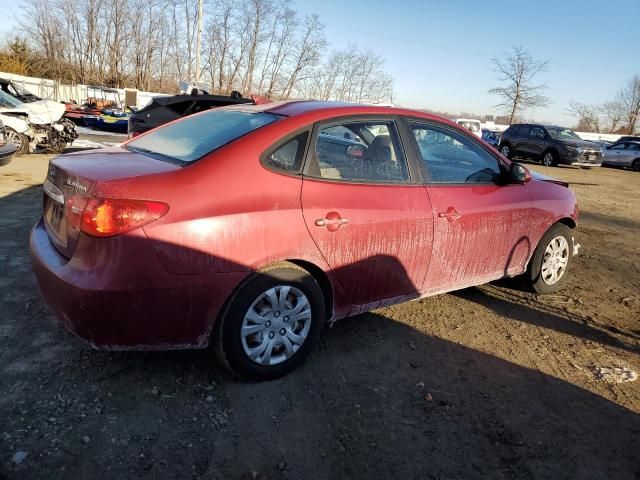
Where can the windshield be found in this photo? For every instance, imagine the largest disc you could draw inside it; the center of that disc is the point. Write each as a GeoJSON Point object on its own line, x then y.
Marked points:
{"type": "Point", "coordinates": [194, 137]}
{"type": "Point", "coordinates": [473, 126]}
{"type": "Point", "coordinates": [19, 90]}
{"type": "Point", "coordinates": [8, 101]}
{"type": "Point", "coordinates": [562, 134]}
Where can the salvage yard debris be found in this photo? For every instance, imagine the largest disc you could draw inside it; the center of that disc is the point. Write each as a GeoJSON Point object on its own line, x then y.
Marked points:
{"type": "Point", "coordinates": [614, 374]}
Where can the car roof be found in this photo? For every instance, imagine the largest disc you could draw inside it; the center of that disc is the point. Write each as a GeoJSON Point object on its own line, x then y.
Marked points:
{"type": "Point", "coordinates": [300, 107]}
{"type": "Point", "coordinates": [319, 110]}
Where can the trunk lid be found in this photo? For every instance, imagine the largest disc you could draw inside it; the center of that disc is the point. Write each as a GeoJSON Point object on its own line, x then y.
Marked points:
{"type": "Point", "coordinates": [72, 179]}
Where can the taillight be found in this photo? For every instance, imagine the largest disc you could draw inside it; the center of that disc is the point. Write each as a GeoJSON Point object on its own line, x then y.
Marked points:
{"type": "Point", "coordinates": [106, 217]}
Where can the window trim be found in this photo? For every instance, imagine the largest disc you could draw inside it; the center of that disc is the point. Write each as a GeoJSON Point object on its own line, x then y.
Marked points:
{"type": "Point", "coordinates": [395, 120]}
{"type": "Point", "coordinates": [281, 142]}
{"type": "Point", "coordinates": [473, 139]}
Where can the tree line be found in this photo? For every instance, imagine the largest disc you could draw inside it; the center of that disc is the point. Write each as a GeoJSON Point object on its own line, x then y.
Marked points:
{"type": "Point", "coordinates": [253, 46]}
{"type": "Point", "coordinates": [620, 115]}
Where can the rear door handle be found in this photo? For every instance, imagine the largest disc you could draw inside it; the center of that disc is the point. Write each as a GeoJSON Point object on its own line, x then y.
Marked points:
{"type": "Point", "coordinates": [324, 222]}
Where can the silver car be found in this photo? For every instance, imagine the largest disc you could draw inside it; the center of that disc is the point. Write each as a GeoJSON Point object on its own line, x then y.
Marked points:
{"type": "Point", "coordinates": [623, 154]}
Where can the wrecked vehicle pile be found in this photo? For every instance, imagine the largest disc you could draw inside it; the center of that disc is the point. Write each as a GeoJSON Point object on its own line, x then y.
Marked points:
{"type": "Point", "coordinates": [36, 126]}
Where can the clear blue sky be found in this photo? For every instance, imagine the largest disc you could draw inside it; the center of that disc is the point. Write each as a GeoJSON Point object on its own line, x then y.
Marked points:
{"type": "Point", "coordinates": [439, 52]}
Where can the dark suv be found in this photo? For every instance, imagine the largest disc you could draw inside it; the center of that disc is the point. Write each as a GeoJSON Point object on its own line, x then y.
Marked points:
{"type": "Point", "coordinates": [549, 145]}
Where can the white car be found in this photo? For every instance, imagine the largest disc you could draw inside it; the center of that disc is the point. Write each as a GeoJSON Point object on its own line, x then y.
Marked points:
{"type": "Point", "coordinates": [470, 124]}
{"type": "Point", "coordinates": [35, 125]}
{"type": "Point", "coordinates": [623, 154]}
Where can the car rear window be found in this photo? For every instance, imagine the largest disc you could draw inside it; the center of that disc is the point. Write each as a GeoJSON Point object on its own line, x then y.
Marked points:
{"type": "Point", "coordinates": [194, 137]}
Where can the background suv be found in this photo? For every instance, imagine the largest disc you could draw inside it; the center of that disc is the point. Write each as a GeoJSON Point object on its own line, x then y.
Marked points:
{"type": "Point", "coordinates": [549, 145]}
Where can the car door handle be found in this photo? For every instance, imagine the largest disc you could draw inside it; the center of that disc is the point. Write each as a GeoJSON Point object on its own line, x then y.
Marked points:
{"type": "Point", "coordinates": [324, 222]}
{"type": "Point", "coordinates": [450, 213]}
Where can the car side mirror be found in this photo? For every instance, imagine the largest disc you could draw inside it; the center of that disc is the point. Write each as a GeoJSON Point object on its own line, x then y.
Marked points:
{"type": "Point", "coordinates": [519, 174]}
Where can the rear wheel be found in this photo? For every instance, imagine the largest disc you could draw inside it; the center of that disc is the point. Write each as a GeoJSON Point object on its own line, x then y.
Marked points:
{"type": "Point", "coordinates": [636, 165]}
{"type": "Point", "coordinates": [18, 139]}
{"type": "Point", "coordinates": [548, 268]}
{"type": "Point", "coordinates": [549, 159]}
{"type": "Point", "coordinates": [271, 323]}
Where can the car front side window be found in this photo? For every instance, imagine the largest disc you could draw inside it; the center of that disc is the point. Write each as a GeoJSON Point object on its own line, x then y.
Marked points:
{"type": "Point", "coordinates": [360, 152]}
{"type": "Point", "coordinates": [537, 132]}
{"type": "Point", "coordinates": [450, 158]}
{"type": "Point", "coordinates": [620, 146]}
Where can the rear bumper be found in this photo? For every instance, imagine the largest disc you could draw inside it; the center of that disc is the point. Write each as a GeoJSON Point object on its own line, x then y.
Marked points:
{"type": "Point", "coordinates": [122, 299]}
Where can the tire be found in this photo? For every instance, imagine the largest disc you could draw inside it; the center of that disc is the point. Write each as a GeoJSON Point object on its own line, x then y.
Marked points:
{"type": "Point", "coordinates": [549, 159]}
{"type": "Point", "coordinates": [59, 146]}
{"type": "Point", "coordinates": [505, 150]}
{"type": "Point", "coordinates": [541, 279]}
{"type": "Point", "coordinates": [635, 166]}
{"type": "Point", "coordinates": [267, 325]}
{"type": "Point", "coordinates": [19, 139]}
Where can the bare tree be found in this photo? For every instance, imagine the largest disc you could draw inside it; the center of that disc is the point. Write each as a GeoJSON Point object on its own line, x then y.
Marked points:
{"type": "Point", "coordinates": [613, 112]}
{"type": "Point", "coordinates": [588, 116]}
{"type": "Point", "coordinates": [629, 98]}
{"type": "Point", "coordinates": [308, 51]}
{"type": "Point", "coordinates": [517, 71]}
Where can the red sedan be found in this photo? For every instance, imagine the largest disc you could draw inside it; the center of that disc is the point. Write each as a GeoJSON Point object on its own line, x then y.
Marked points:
{"type": "Point", "coordinates": [249, 227]}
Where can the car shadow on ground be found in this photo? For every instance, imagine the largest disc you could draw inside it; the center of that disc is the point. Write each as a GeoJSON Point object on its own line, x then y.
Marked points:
{"type": "Point", "coordinates": [506, 304]}
{"type": "Point", "coordinates": [376, 399]}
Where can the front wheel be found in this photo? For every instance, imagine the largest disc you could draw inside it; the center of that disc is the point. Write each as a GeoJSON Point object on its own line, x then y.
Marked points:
{"type": "Point", "coordinates": [549, 265]}
{"type": "Point", "coordinates": [505, 150]}
{"type": "Point", "coordinates": [20, 140]}
{"type": "Point", "coordinates": [636, 165]}
{"type": "Point", "coordinates": [271, 323]}
{"type": "Point", "coordinates": [549, 159]}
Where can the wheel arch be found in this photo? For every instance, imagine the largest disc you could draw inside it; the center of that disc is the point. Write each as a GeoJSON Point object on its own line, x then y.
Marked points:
{"type": "Point", "coordinates": [316, 272]}
{"type": "Point", "coordinates": [323, 280]}
{"type": "Point", "coordinates": [568, 221]}
{"type": "Point", "coordinates": [553, 149]}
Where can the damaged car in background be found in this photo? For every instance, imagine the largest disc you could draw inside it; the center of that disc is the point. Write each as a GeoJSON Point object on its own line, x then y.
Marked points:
{"type": "Point", "coordinates": [192, 99]}
{"type": "Point", "coordinates": [36, 126]}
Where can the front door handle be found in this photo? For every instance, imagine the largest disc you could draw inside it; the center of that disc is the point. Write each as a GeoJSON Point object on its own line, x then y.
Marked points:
{"type": "Point", "coordinates": [450, 213]}
{"type": "Point", "coordinates": [332, 221]}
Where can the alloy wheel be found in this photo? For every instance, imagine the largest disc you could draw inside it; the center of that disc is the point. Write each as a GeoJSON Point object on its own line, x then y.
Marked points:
{"type": "Point", "coordinates": [13, 137]}
{"type": "Point", "coordinates": [547, 160]}
{"type": "Point", "coordinates": [505, 150]}
{"type": "Point", "coordinates": [555, 260]}
{"type": "Point", "coordinates": [276, 325]}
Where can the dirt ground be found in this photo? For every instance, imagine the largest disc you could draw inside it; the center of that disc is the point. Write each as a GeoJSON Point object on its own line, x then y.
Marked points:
{"type": "Point", "coordinates": [487, 382]}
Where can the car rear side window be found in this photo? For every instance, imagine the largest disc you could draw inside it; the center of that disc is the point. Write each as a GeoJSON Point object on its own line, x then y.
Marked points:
{"type": "Point", "coordinates": [194, 137]}
{"type": "Point", "coordinates": [287, 157]}
{"type": "Point", "coordinates": [451, 158]}
{"type": "Point", "coordinates": [360, 152]}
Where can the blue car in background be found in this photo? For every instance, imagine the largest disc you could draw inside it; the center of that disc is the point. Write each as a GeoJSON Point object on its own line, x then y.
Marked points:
{"type": "Point", "coordinates": [491, 137]}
